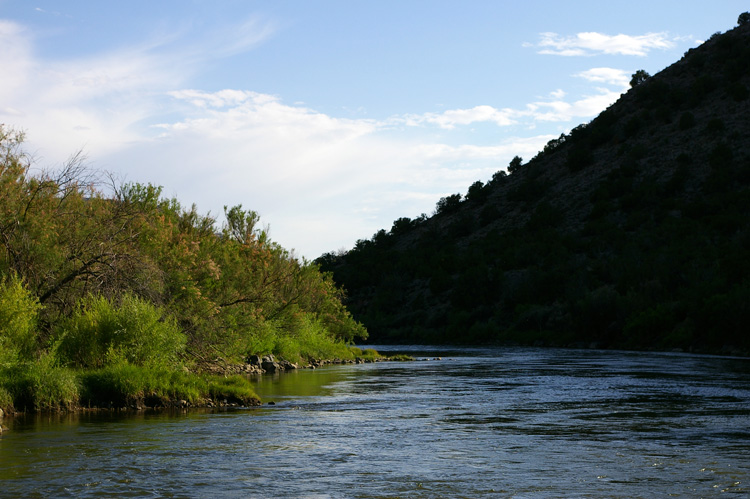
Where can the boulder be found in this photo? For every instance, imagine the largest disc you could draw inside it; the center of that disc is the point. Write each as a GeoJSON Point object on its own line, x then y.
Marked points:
{"type": "Point", "coordinates": [270, 366]}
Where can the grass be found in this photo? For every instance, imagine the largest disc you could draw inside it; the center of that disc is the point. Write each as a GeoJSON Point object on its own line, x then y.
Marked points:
{"type": "Point", "coordinates": [42, 386]}
{"type": "Point", "coordinates": [38, 385]}
{"type": "Point", "coordinates": [125, 385]}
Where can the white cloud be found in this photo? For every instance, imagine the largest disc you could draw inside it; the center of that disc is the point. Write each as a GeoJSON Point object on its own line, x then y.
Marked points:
{"type": "Point", "coordinates": [592, 43]}
{"type": "Point", "coordinates": [610, 76]}
{"type": "Point", "coordinates": [321, 181]}
{"type": "Point", "coordinates": [451, 118]}
{"type": "Point", "coordinates": [15, 60]}
{"type": "Point", "coordinates": [560, 110]}
{"type": "Point", "coordinates": [557, 94]}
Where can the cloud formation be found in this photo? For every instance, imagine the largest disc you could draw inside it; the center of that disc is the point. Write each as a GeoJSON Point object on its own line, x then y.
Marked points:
{"type": "Point", "coordinates": [610, 76]}
{"type": "Point", "coordinates": [454, 117]}
{"type": "Point", "coordinates": [317, 178]}
{"type": "Point", "coordinates": [592, 43]}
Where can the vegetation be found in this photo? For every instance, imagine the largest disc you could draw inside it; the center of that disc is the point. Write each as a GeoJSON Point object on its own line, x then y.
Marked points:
{"type": "Point", "coordinates": [631, 231]}
{"type": "Point", "coordinates": [108, 295]}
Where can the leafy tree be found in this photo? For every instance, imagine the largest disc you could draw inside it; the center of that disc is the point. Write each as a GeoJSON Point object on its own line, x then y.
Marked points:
{"type": "Point", "coordinates": [18, 316]}
{"type": "Point", "coordinates": [477, 192]}
{"type": "Point", "coordinates": [448, 204]}
{"type": "Point", "coordinates": [743, 19]}
{"type": "Point", "coordinates": [638, 78]}
{"type": "Point", "coordinates": [515, 164]}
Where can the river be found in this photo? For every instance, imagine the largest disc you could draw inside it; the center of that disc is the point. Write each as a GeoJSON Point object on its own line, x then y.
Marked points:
{"type": "Point", "coordinates": [506, 422]}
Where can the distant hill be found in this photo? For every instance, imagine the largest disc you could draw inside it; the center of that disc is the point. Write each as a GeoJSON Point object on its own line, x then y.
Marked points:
{"type": "Point", "coordinates": [632, 231]}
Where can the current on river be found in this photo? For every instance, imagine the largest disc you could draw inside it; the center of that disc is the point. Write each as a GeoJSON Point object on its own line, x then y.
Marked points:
{"type": "Point", "coordinates": [506, 422]}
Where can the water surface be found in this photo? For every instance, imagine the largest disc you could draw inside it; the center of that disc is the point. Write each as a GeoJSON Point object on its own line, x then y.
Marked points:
{"type": "Point", "coordinates": [477, 423]}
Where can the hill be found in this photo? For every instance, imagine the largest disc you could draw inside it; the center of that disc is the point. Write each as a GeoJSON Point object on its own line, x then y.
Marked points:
{"type": "Point", "coordinates": [631, 231]}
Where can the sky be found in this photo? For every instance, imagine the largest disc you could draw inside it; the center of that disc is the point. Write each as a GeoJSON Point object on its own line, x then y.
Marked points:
{"type": "Point", "coordinates": [331, 119]}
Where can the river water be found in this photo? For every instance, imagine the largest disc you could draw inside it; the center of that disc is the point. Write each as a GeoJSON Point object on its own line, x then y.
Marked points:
{"type": "Point", "coordinates": [509, 422]}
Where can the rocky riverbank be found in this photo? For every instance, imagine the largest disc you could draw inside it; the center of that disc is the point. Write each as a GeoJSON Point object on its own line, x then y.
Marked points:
{"type": "Point", "coordinates": [269, 364]}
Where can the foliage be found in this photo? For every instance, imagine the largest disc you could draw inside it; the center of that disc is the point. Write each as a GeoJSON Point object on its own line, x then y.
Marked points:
{"type": "Point", "coordinates": [18, 316]}
{"type": "Point", "coordinates": [639, 77]}
{"type": "Point", "coordinates": [448, 204]}
{"type": "Point", "coordinates": [40, 385]}
{"type": "Point", "coordinates": [96, 276]}
{"type": "Point", "coordinates": [515, 164]}
{"type": "Point", "coordinates": [743, 19]}
{"type": "Point", "coordinates": [125, 385]}
{"type": "Point", "coordinates": [100, 333]}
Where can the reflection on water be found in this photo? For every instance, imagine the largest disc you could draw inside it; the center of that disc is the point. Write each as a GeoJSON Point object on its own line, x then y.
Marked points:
{"type": "Point", "coordinates": [478, 423]}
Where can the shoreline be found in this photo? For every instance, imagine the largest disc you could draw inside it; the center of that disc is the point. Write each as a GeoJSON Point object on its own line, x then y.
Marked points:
{"type": "Point", "coordinates": [254, 365]}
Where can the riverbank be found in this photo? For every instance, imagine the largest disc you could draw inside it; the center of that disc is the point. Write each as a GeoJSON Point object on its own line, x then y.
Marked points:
{"type": "Point", "coordinates": [125, 387]}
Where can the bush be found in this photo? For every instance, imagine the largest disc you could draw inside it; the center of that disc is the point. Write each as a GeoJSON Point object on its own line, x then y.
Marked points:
{"type": "Point", "coordinates": [125, 385]}
{"type": "Point", "coordinates": [232, 389]}
{"type": "Point", "coordinates": [18, 317]}
{"type": "Point", "coordinates": [100, 333]}
{"type": "Point", "coordinates": [40, 385]}
{"type": "Point", "coordinates": [6, 400]}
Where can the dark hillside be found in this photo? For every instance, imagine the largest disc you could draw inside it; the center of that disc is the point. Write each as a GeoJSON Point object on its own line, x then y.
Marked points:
{"type": "Point", "coordinates": [631, 231]}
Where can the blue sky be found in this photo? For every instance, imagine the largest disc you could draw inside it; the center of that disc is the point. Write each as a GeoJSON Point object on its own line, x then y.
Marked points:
{"type": "Point", "coordinates": [329, 118]}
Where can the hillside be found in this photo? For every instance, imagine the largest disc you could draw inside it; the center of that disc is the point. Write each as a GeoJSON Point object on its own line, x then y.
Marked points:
{"type": "Point", "coordinates": [631, 231]}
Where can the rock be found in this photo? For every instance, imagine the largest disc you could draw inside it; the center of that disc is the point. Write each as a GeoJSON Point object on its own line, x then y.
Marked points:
{"type": "Point", "coordinates": [254, 360]}
{"type": "Point", "coordinates": [1, 414]}
{"type": "Point", "coordinates": [270, 366]}
{"type": "Point", "coordinates": [287, 366]}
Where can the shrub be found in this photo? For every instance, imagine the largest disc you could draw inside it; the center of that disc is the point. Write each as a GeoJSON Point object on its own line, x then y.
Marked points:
{"type": "Point", "coordinates": [125, 385]}
{"type": "Point", "coordinates": [6, 400]}
{"type": "Point", "coordinates": [100, 333]}
{"type": "Point", "coordinates": [18, 316]}
{"type": "Point", "coordinates": [232, 389]}
{"type": "Point", "coordinates": [40, 385]}
{"type": "Point", "coordinates": [639, 77]}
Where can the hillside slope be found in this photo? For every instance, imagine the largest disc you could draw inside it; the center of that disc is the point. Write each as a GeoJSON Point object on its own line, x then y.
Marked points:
{"type": "Point", "coordinates": [631, 231]}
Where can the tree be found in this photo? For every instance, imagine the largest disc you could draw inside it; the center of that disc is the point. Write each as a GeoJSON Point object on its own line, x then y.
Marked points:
{"type": "Point", "coordinates": [448, 204]}
{"type": "Point", "coordinates": [639, 77]}
{"type": "Point", "coordinates": [515, 164]}
{"type": "Point", "coordinates": [743, 19]}
{"type": "Point", "coordinates": [477, 192]}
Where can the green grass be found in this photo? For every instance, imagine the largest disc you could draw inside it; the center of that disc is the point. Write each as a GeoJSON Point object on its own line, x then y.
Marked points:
{"type": "Point", "coordinates": [39, 386]}
{"type": "Point", "coordinates": [125, 385]}
{"type": "Point", "coordinates": [299, 339]}
{"type": "Point", "coordinates": [43, 386]}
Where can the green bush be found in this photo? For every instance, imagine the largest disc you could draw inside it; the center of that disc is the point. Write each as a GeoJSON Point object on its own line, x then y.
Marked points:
{"type": "Point", "coordinates": [100, 333]}
{"type": "Point", "coordinates": [6, 400]}
{"type": "Point", "coordinates": [125, 385]}
{"type": "Point", "coordinates": [40, 385]}
{"type": "Point", "coordinates": [232, 389]}
{"type": "Point", "coordinates": [18, 318]}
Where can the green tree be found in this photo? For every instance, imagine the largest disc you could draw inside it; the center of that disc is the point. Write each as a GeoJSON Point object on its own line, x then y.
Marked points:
{"type": "Point", "coordinates": [638, 78]}
{"type": "Point", "coordinates": [448, 204]}
{"type": "Point", "coordinates": [743, 19]}
{"type": "Point", "coordinates": [18, 316]}
{"type": "Point", "coordinates": [515, 164]}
